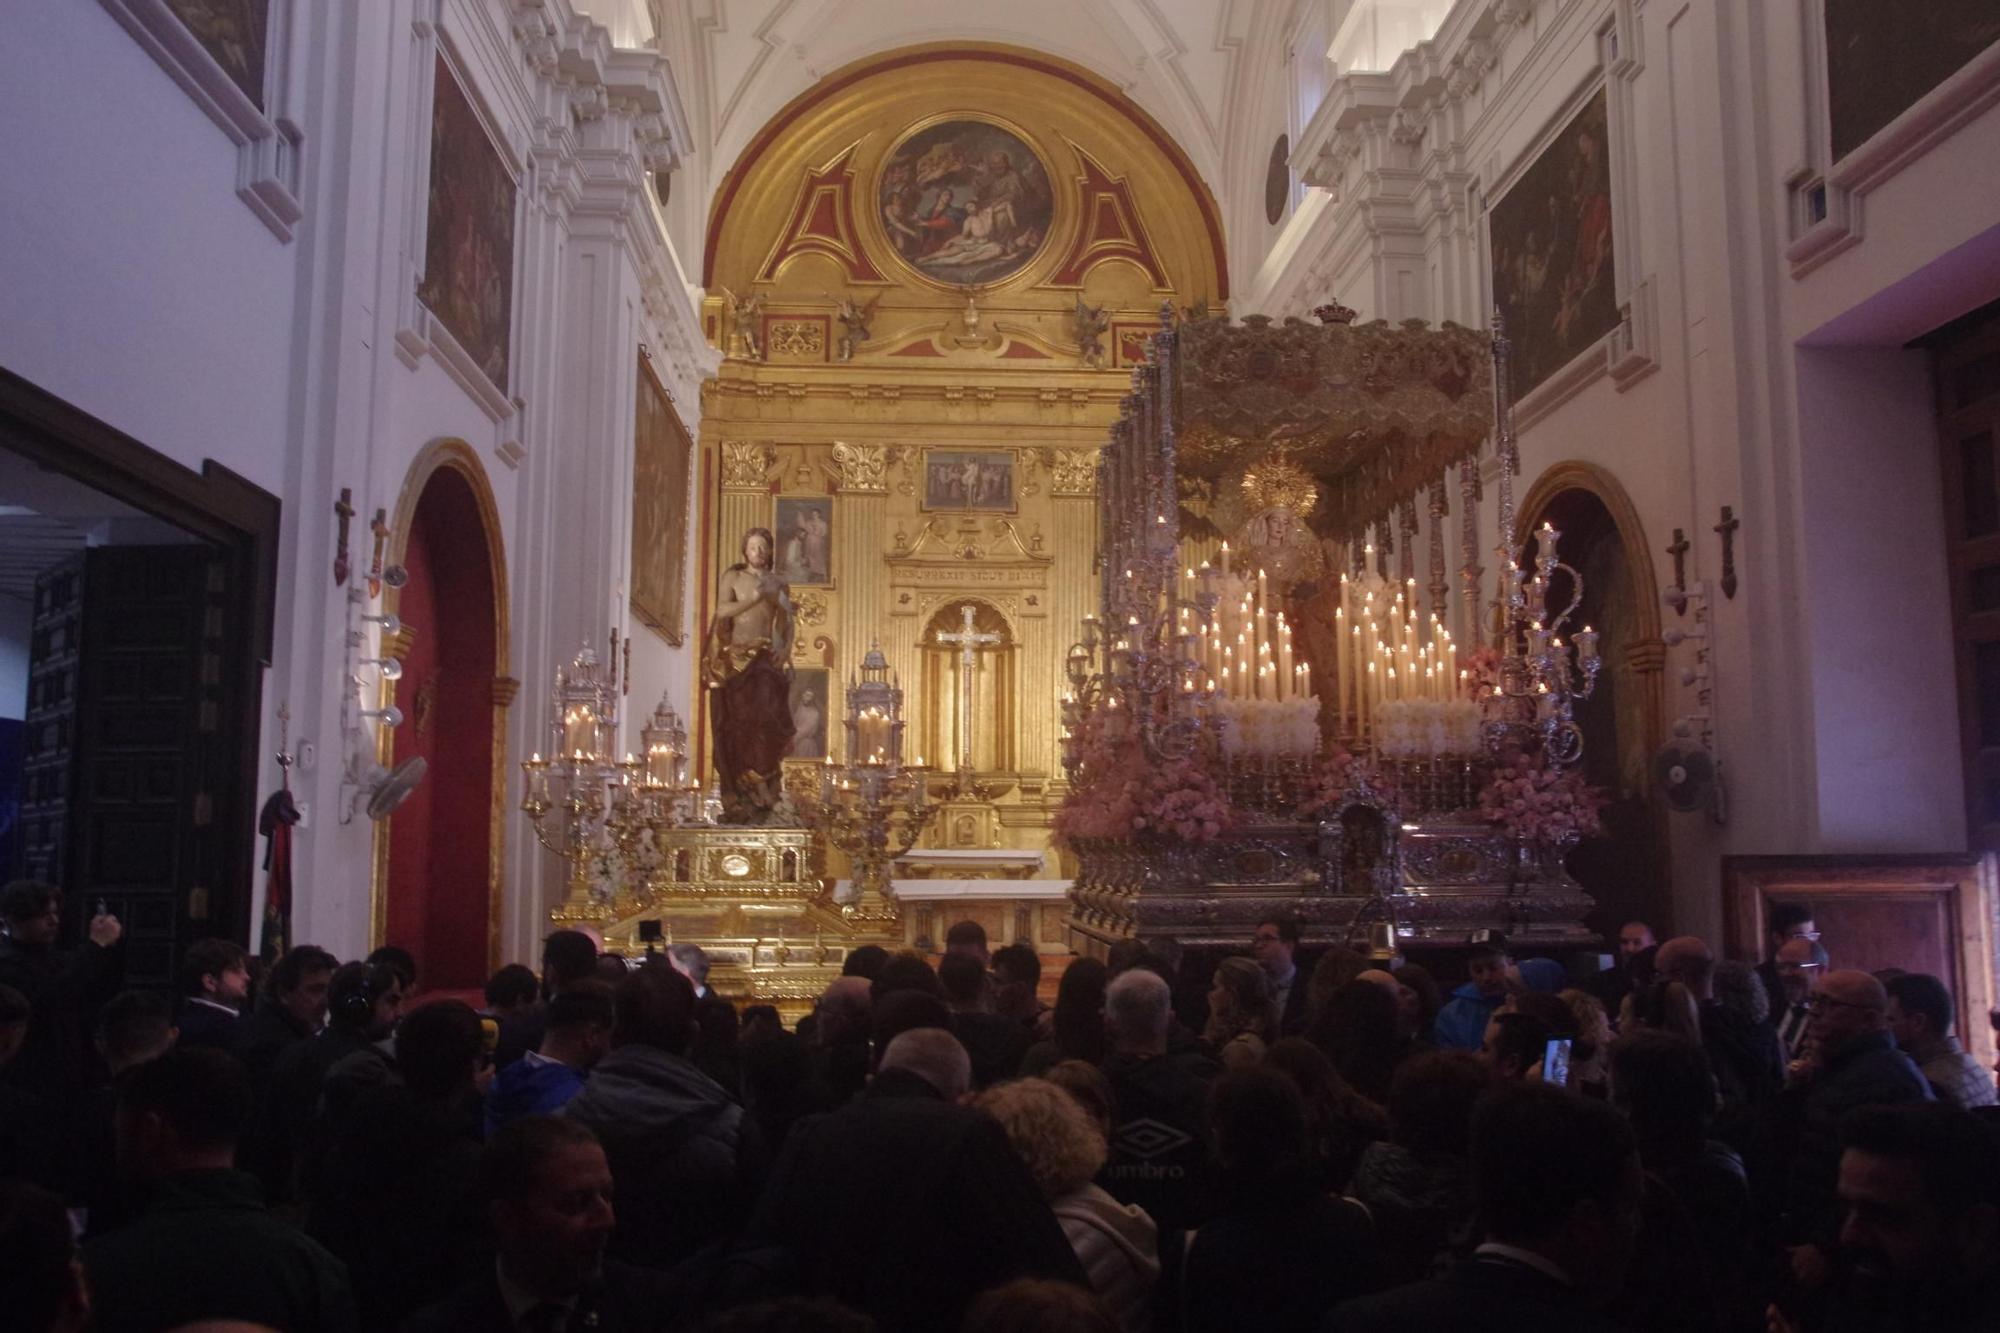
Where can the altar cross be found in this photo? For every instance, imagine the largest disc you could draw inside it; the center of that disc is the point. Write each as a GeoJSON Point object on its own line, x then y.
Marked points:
{"type": "Point", "coordinates": [968, 642]}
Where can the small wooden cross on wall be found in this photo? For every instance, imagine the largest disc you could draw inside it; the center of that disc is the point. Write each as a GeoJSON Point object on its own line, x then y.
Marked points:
{"type": "Point", "coordinates": [1727, 527]}
{"type": "Point", "coordinates": [343, 510]}
{"type": "Point", "coordinates": [1679, 551]}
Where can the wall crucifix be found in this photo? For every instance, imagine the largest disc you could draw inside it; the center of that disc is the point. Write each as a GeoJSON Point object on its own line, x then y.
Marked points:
{"type": "Point", "coordinates": [968, 642]}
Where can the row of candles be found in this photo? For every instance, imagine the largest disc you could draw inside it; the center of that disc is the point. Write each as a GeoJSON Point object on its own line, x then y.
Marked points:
{"type": "Point", "coordinates": [1245, 648]}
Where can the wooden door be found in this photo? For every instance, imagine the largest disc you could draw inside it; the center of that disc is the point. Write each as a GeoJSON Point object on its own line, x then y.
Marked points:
{"type": "Point", "coordinates": [129, 752]}
{"type": "Point", "coordinates": [1968, 395]}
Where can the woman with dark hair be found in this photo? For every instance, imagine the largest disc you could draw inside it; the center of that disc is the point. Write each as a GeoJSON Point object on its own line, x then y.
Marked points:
{"type": "Point", "coordinates": [1418, 1185]}
{"type": "Point", "coordinates": [1357, 1030]}
{"type": "Point", "coordinates": [1281, 1251]}
{"type": "Point", "coordinates": [1340, 1122]}
{"type": "Point", "coordinates": [1079, 1019]}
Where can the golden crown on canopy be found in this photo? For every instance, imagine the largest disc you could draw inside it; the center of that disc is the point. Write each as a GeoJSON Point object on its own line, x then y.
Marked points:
{"type": "Point", "coordinates": [1279, 484]}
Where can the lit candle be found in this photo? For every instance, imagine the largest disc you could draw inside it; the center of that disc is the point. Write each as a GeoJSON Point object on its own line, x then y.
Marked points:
{"type": "Point", "coordinates": [1225, 557]}
{"type": "Point", "coordinates": [580, 730]}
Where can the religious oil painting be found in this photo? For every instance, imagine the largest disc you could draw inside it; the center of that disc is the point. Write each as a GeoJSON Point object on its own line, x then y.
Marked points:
{"type": "Point", "coordinates": [468, 280]}
{"type": "Point", "coordinates": [955, 479]}
{"type": "Point", "coordinates": [966, 202]}
{"type": "Point", "coordinates": [1882, 58]}
{"type": "Point", "coordinates": [1553, 276]}
{"type": "Point", "coordinates": [232, 32]}
{"type": "Point", "coordinates": [662, 456]}
{"type": "Point", "coordinates": [809, 711]}
{"type": "Point", "coordinates": [804, 531]}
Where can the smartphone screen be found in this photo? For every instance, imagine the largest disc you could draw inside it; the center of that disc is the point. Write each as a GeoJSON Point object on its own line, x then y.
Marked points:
{"type": "Point", "coordinates": [1555, 1062]}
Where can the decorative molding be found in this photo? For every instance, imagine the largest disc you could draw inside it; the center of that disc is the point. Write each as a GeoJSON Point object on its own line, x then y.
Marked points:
{"type": "Point", "coordinates": [746, 465]}
{"type": "Point", "coordinates": [1073, 472]}
{"type": "Point", "coordinates": [267, 141]}
{"type": "Point", "coordinates": [506, 689]}
{"type": "Point", "coordinates": [863, 468]}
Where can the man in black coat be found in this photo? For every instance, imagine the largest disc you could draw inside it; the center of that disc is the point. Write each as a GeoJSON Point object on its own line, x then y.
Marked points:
{"type": "Point", "coordinates": [215, 984]}
{"type": "Point", "coordinates": [62, 988]}
{"type": "Point", "coordinates": [1558, 1186]}
{"type": "Point", "coordinates": [1159, 1134]}
{"type": "Point", "coordinates": [1275, 946]}
{"type": "Point", "coordinates": [205, 1248]}
{"type": "Point", "coordinates": [292, 1009]}
{"type": "Point", "coordinates": [365, 1002]}
{"type": "Point", "coordinates": [905, 1204]}
{"type": "Point", "coordinates": [686, 1158]}
{"type": "Point", "coordinates": [548, 1193]}
{"type": "Point", "coordinates": [568, 956]}
{"type": "Point", "coordinates": [1855, 1064]}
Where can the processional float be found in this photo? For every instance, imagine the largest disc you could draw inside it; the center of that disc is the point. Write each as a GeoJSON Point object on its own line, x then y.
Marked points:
{"type": "Point", "coordinates": [1268, 714]}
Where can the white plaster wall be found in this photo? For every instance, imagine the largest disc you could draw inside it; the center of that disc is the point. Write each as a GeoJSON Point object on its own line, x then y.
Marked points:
{"type": "Point", "coordinates": [1784, 395]}
{"type": "Point", "coordinates": [141, 289]}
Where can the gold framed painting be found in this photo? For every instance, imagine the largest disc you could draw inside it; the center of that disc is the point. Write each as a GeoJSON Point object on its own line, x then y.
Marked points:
{"type": "Point", "coordinates": [662, 456]}
{"type": "Point", "coordinates": [802, 526]}
{"type": "Point", "coordinates": [979, 480]}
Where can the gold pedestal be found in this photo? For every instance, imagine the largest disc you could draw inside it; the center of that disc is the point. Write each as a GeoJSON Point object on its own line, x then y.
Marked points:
{"type": "Point", "coordinates": [753, 899]}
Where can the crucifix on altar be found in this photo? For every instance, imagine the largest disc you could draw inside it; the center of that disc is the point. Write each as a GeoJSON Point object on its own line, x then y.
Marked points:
{"type": "Point", "coordinates": [968, 641]}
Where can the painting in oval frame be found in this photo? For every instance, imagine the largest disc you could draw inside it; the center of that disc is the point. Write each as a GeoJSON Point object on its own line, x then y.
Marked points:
{"type": "Point", "coordinates": [965, 201]}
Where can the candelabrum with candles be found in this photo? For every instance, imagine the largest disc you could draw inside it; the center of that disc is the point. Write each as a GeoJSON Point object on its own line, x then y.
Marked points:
{"type": "Point", "coordinates": [650, 795]}
{"type": "Point", "coordinates": [576, 783]}
{"type": "Point", "coordinates": [1539, 679]}
{"type": "Point", "coordinates": [874, 806]}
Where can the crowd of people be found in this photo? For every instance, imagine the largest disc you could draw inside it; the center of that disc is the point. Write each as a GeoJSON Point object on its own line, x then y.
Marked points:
{"type": "Point", "coordinates": [1331, 1143]}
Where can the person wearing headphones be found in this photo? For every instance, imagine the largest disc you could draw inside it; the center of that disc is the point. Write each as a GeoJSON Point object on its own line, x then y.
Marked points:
{"type": "Point", "coordinates": [364, 1002]}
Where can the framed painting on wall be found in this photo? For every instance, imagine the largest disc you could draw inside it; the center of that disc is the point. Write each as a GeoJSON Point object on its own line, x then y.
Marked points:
{"type": "Point", "coordinates": [233, 33]}
{"type": "Point", "coordinates": [662, 455]}
{"type": "Point", "coordinates": [810, 707]}
{"type": "Point", "coordinates": [964, 479]}
{"type": "Point", "coordinates": [803, 529]}
{"type": "Point", "coordinates": [468, 281]}
{"type": "Point", "coordinates": [1550, 237]}
{"type": "Point", "coordinates": [1921, 913]}
{"type": "Point", "coordinates": [1882, 59]}
{"type": "Point", "coordinates": [965, 202]}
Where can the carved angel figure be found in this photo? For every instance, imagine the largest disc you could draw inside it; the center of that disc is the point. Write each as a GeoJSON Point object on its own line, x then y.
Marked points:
{"type": "Point", "coordinates": [1091, 324]}
{"type": "Point", "coordinates": [745, 315]}
{"type": "Point", "coordinates": [854, 319]}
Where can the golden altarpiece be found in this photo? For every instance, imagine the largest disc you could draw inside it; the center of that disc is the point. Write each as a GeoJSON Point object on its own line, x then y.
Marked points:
{"type": "Point", "coordinates": [930, 277]}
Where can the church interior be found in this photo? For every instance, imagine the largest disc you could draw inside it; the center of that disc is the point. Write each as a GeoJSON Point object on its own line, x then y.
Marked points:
{"type": "Point", "coordinates": [794, 477]}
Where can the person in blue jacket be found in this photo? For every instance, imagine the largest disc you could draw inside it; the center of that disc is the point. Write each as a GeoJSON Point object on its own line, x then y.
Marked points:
{"type": "Point", "coordinates": [541, 1082]}
{"type": "Point", "coordinates": [1461, 1024]}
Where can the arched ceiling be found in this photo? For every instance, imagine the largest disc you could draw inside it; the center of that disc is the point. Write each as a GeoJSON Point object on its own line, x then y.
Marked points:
{"type": "Point", "coordinates": [739, 62]}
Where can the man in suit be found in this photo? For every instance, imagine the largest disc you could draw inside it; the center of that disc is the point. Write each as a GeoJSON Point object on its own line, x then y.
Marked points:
{"type": "Point", "coordinates": [214, 981]}
{"type": "Point", "coordinates": [1786, 921]}
{"type": "Point", "coordinates": [1558, 1188]}
{"type": "Point", "coordinates": [1799, 962]}
{"type": "Point", "coordinates": [1275, 946]}
{"type": "Point", "coordinates": [905, 1171]}
{"type": "Point", "coordinates": [548, 1193]}
{"type": "Point", "coordinates": [292, 1010]}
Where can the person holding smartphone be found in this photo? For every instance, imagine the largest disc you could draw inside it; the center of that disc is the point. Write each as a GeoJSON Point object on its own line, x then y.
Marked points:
{"type": "Point", "coordinates": [63, 987]}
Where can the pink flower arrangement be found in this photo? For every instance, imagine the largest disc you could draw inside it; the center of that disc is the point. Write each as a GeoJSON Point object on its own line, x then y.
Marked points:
{"type": "Point", "coordinates": [1335, 778]}
{"type": "Point", "coordinates": [1537, 803]}
{"type": "Point", "coordinates": [1124, 795]}
{"type": "Point", "coordinates": [1482, 668]}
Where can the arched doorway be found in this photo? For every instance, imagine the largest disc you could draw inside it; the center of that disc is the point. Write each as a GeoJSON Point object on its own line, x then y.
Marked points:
{"type": "Point", "coordinates": [1629, 870]}
{"type": "Point", "coordinates": [440, 887]}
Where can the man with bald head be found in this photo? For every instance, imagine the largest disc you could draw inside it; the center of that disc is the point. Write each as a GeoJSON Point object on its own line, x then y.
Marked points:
{"type": "Point", "coordinates": [905, 1171]}
{"type": "Point", "coordinates": [1743, 1053]}
{"type": "Point", "coordinates": [1852, 1062]}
